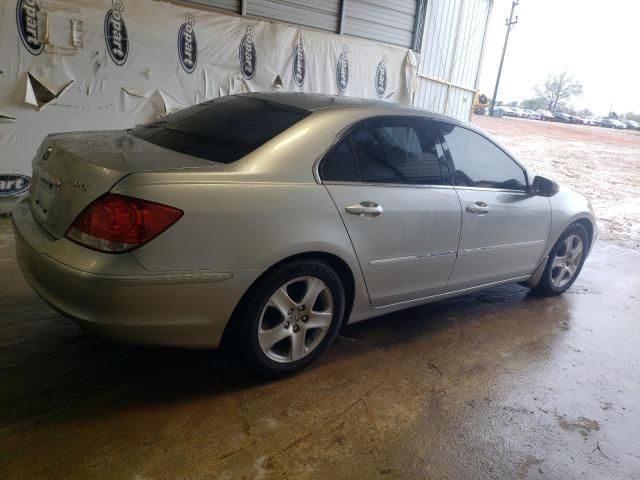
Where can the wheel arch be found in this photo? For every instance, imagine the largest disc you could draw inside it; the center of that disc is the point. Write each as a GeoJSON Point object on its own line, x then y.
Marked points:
{"type": "Point", "coordinates": [340, 266]}
{"type": "Point", "coordinates": [588, 225]}
{"type": "Point", "coordinates": [583, 220]}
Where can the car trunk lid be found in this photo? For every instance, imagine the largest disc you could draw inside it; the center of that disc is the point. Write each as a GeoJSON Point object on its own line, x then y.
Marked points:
{"type": "Point", "coordinates": [71, 170]}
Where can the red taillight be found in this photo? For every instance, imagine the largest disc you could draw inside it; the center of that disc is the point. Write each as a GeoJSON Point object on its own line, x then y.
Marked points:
{"type": "Point", "coordinates": [115, 223]}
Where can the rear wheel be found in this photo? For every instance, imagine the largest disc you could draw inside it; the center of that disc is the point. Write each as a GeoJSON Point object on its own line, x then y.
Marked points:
{"type": "Point", "coordinates": [565, 261]}
{"type": "Point", "coordinates": [290, 318]}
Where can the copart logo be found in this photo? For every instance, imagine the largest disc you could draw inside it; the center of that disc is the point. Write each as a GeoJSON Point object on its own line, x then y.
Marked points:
{"type": "Point", "coordinates": [187, 44]}
{"type": "Point", "coordinates": [27, 19]}
{"type": "Point", "coordinates": [115, 34]}
{"type": "Point", "coordinates": [342, 69]}
{"type": "Point", "coordinates": [299, 62]}
{"type": "Point", "coordinates": [13, 185]}
{"type": "Point", "coordinates": [247, 52]}
{"type": "Point", "coordinates": [381, 78]}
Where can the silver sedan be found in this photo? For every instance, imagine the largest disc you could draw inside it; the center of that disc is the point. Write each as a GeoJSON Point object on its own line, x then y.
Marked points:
{"type": "Point", "coordinates": [270, 220]}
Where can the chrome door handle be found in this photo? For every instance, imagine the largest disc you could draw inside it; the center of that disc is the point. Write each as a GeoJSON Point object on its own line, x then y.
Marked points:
{"type": "Point", "coordinates": [365, 209]}
{"type": "Point", "coordinates": [479, 208]}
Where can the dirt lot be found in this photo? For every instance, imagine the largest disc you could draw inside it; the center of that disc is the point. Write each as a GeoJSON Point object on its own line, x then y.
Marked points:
{"type": "Point", "coordinates": [601, 163]}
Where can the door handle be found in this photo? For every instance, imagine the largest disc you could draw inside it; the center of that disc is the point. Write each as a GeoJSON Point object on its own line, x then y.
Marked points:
{"type": "Point", "coordinates": [365, 209]}
{"type": "Point", "coordinates": [479, 208]}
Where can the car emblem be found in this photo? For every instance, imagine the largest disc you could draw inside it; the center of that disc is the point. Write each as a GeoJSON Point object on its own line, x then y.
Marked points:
{"type": "Point", "coordinates": [47, 152]}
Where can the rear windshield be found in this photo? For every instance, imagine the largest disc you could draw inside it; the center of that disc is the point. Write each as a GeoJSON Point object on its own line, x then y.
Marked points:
{"type": "Point", "coordinates": [222, 130]}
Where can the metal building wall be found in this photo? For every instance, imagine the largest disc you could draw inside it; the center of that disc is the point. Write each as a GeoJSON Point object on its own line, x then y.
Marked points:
{"type": "Point", "coordinates": [389, 21]}
{"type": "Point", "coordinates": [452, 46]}
{"type": "Point", "coordinates": [322, 14]}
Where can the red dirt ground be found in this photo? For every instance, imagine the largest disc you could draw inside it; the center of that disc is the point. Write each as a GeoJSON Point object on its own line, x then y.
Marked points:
{"type": "Point", "coordinates": [601, 163]}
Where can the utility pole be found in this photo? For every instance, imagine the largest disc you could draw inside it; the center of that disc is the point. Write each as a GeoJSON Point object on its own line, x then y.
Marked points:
{"type": "Point", "coordinates": [510, 23]}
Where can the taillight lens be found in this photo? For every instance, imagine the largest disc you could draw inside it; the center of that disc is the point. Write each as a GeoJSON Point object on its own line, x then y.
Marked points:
{"type": "Point", "coordinates": [116, 223]}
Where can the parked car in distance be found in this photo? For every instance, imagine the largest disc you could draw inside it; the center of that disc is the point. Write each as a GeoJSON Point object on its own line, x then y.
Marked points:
{"type": "Point", "coordinates": [546, 115]}
{"type": "Point", "coordinates": [519, 112]}
{"type": "Point", "coordinates": [578, 120]}
{"type": "Point", "coordinates": [612, 123]}
{"type": "Point", "coordinates": [532, 114]}
{"type": "Point", "coordinates": [593, 121]}
{"type": "Point", "coordinates": [632, 124]}
{"type": "Point", "coordinates": [562, 117]}
{"type": "Point", "coordinates": [507, 111]}
{"type": "Point", "coordinates": [267, 221]}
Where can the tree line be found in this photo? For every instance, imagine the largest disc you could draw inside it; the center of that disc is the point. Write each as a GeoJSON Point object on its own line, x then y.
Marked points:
{"type": "Point", "coordinates": [554, 95]}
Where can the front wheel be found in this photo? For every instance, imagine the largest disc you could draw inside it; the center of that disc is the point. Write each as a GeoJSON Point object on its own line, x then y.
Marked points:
{"type": "Point", "coordinates": [290, 318]}
{"type": "Point", "coordinates": [565, 261]}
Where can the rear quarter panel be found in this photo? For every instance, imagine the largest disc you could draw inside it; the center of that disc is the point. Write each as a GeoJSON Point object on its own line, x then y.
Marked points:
{"type": "Point", "coordinates": [230, 225]}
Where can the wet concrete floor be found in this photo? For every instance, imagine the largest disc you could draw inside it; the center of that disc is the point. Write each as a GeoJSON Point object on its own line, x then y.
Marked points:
{"type": "Point", "coordinates": [499, 385]}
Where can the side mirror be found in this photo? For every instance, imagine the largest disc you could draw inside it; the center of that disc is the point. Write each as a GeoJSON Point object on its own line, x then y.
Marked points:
{"type": "Point", "coordinates": [543, 187]}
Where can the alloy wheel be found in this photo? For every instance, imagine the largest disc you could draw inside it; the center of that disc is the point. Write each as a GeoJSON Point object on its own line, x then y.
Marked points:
{"type": "Point", "coordinates": [567, 261]}
{"type": "Point", "coordinates": [295, 319]}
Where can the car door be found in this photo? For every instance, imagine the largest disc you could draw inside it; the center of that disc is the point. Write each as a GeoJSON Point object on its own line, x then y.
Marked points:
{"type": "Point", "coordinates": [504, 227]}
{"type": "Point", "coordinates": [390, 182]}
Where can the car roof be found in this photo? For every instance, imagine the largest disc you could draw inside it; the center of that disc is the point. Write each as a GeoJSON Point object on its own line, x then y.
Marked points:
{"type": "Point", "coordinates": [312, 102]}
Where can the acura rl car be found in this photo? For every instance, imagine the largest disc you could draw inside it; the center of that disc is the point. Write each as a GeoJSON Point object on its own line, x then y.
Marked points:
{"type": "Point", "coordinates": [270, 220]}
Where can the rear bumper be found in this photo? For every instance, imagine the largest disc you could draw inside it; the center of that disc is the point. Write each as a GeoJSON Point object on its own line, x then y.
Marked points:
{"type": "Point", "coordinates": [186, 309]}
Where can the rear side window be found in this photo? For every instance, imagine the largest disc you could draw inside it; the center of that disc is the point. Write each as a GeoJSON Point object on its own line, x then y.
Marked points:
{"type": "Point", "coordinates": [392, 151]}
{"type": "Point", "coordinates": [479, 162]}
{"type": "Point", "coordinates": [223, 130]}
{"type": "Point", "coordinates": [340, 165]}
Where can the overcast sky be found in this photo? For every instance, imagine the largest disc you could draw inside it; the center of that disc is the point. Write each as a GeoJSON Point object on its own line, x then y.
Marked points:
{"type": "Point", "coordinates": [597, 42]}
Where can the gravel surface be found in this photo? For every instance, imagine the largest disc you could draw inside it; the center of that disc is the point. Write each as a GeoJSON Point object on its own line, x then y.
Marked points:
{"type": "Point", "coordinates": [601, 163]}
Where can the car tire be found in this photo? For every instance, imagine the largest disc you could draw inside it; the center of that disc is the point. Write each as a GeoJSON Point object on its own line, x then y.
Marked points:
{"type": "Point", "coordinates": [564, 264]}
{"type": "Point", "coordinates": [278, 314]}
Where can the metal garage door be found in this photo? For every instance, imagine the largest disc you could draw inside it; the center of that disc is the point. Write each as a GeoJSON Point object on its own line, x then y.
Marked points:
{"type": "Point", "coordinates": [389, 21]}
{"type": "Point", "coordinates": [233, 5]}
{"type": "Point", "coordinates": [322, 14]}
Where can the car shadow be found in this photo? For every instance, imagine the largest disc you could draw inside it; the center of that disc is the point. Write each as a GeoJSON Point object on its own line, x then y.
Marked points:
{"type": "Point", "coordinates": [64, 372]}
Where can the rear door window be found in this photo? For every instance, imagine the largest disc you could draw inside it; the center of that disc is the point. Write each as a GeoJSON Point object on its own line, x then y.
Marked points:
{"type": "Point", "coordinates": [222, 130]}
{"type": "Point", "coordinates": [402, 151]}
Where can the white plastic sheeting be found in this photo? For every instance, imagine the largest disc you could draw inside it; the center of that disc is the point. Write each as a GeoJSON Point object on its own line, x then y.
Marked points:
{"type": "Point", "coordinates": [90, 65]}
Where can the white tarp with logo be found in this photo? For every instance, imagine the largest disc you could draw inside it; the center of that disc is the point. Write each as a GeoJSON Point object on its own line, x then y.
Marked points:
{"type": "Point", "coordinates": [90, 65]}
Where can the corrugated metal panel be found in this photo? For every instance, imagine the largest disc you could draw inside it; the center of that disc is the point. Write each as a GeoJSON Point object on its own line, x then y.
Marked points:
{"type": "Point", "coordinates": [472, 27]}
{"type": "Point", "coordinates": [438, 42]}
{"type": "Point", "coordinates": [451, 55]}
{"type": "Point", "coordinates": [322, 14]}
{"type": "Point", "coordinates": [388, 21]}
{"type": "Point", "coordinates": [233, 5]}
{"type": "Point", "coordinates": [459, 103]}
{"type": "Point", "coordinates": [431, 95]}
